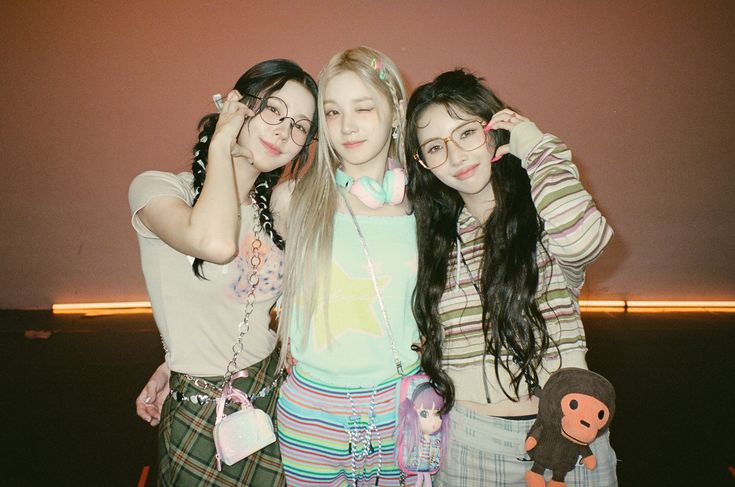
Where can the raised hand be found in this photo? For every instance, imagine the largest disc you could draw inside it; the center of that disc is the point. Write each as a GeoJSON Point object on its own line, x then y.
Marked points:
{"type": "Point", "coordinates": [505, 119]}
{"type": "Point", "coordinates": [231, 120]}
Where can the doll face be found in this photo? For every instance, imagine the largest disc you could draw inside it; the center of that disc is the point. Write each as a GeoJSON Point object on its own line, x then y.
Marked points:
{"type": "Point", "coordinates": [429, 419]}
{"type": "Point", "coordinates": [582, 417]}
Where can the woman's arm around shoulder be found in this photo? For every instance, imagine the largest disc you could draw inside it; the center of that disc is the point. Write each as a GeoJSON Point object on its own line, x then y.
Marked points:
{"type": "Point", "coordinates": [149, 403]}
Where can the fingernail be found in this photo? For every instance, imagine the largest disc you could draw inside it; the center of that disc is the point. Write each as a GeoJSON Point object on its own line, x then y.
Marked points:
{"type": "Point", "coordinates": [496, 158]}
{"type": "Point", "coordinates": [146, 400]}
{"type": "Point", "coordinates": [487, 128]}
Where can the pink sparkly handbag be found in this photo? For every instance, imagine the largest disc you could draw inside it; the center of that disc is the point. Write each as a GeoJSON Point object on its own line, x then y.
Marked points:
{"type": "Point", "coordinates": [246, 431]}
{"type": "Point", "coordinates": [242, 433]}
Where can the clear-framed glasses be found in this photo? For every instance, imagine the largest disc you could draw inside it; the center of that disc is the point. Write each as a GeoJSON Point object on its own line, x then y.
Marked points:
{"type": "Point", "coordinates": [274, 111]}
{"type": "Point", "coordinates": [468, 136]}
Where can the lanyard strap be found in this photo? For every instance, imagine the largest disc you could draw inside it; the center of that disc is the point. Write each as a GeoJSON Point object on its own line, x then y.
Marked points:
{"type": "Point", "coordinates": [399, 365]}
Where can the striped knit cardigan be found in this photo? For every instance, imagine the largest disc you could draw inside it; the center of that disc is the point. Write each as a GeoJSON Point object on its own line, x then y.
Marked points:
{"type": "Point", "coordinates": [575, 235]}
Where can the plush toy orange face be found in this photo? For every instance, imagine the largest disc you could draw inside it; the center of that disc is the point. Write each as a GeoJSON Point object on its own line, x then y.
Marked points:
{"type": "Point", "coordinates": [582, 416]}
{"type": "Point", "coordinates": [583, 403]}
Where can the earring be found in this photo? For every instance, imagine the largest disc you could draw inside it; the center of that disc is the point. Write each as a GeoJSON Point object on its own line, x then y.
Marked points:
{"type": "Point", "coordinates": [395, 133]}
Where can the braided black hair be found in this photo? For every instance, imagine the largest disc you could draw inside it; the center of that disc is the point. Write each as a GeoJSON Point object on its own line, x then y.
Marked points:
{"type": "Point", "coordinates": [262, 80]}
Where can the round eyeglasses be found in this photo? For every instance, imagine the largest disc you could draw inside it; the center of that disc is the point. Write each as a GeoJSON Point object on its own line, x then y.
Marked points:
{"type": "Point", "coordinates": [274, 111]}
{"type": "Point", "coordinates": [468, 136]}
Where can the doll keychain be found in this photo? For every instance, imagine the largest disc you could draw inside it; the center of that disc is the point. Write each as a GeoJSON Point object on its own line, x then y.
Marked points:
{"type": "Point", "coordinates": [422, 431]}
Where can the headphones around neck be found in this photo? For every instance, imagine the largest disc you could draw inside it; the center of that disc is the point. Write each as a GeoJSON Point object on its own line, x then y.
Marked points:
{"type": "Point", "coordinates": [370, 192]}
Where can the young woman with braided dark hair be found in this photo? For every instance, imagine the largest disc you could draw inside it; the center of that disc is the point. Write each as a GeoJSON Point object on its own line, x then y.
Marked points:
{"type": "Point", "coordinates": [505, 232]}
{"type": "Point", "coordinates": [212, 263]}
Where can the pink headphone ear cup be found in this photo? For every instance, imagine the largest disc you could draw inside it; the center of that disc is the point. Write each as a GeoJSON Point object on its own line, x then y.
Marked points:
{"type": "Point", "coordinates": [398, 188]}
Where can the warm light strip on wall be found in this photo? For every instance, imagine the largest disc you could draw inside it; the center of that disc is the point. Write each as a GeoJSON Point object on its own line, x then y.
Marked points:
{"type": "Point", "coordinates": [634, 306]}
{"type": "Point", "coordinates": [590, 305]}
{"type": "Point", "coordinates": [601, 304]}
{"type": "Point", "coordinates": [93, 309]}
{"type": "Point", "coordinates": [682, 309]}
{"type": "Point", "coordinates": [681, 304]}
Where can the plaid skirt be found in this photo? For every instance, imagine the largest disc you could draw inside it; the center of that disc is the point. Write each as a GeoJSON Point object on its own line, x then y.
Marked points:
{"type": "Point", "coordinates": [186, 448]}
{"type": "Point", "coordinates": [489, 451]}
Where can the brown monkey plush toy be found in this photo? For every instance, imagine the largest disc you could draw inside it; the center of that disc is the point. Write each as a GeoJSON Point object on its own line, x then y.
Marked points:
{"type": "Point", "coordinates": [575, 407]}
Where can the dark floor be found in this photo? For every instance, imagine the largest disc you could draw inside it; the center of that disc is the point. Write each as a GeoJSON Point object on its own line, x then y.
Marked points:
{"type": "Point", "coordinates": [71, 420]}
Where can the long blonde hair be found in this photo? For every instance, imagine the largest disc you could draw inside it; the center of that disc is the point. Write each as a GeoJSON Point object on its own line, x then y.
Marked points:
{"type": "Point", "coordinates": [310, 225]}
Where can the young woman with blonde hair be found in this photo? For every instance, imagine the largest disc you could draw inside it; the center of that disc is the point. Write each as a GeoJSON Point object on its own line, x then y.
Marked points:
{"type": "Point", "coordinates": [350, 270]}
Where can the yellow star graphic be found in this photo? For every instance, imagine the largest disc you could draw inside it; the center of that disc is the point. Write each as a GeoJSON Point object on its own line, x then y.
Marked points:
{"type": "Point", "coordinates": [351, 309]}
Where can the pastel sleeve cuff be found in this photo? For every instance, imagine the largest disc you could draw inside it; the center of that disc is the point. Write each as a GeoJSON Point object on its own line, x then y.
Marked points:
{"type": "Point", "coordinates": [523, 138]}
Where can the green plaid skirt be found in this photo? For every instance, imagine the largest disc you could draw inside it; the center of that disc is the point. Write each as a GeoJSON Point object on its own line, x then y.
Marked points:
{"type": "Point", "coordinates": [186, 447]}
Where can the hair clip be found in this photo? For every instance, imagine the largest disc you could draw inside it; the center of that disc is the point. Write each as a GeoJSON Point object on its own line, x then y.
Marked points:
{"type": "Point", "coordinates": [218, 103]}
{"type": "Point", "coordinates": [377, 65]}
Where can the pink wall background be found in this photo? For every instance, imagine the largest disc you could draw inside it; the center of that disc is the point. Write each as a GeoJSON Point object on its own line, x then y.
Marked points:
{"type": "Point", "coordinates": [95, 92]}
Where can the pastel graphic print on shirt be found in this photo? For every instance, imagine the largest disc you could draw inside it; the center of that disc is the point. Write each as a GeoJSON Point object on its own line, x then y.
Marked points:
{"type": "Point", "coordinates": [346, 343]}
{"type": "Point", "coordinates": [270, 270]}
{"type": "Point", "coordinates": [352, 297]}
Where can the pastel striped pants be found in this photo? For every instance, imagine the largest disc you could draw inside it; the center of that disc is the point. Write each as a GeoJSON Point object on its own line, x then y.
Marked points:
{"type": "Point", "coordinates": [334, 436]}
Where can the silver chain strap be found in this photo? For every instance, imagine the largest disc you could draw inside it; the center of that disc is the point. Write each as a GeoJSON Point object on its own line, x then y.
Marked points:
{"type": "Point", "coordinates": [244, 325]}
{"type": "Point", "coordinates": [361, 441]}
{"type": "Point", "coordinates": [399, 365]}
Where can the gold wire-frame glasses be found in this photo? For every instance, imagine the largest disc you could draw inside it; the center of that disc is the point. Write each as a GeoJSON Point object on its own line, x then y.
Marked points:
{"type": "Point", "coordinates": [468, 136]}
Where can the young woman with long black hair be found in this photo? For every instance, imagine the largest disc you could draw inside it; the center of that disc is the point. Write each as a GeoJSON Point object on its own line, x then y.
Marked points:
{"type": "Point", "coordinates": [213, 266]}
{"type": "Point", "coordinates": [505, 232]}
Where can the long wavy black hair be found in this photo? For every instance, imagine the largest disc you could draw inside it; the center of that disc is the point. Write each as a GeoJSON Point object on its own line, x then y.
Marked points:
{"type": "Point", "coordinates": [511, 320]}
{"type": "Point", "coordinates": [263, 79]}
